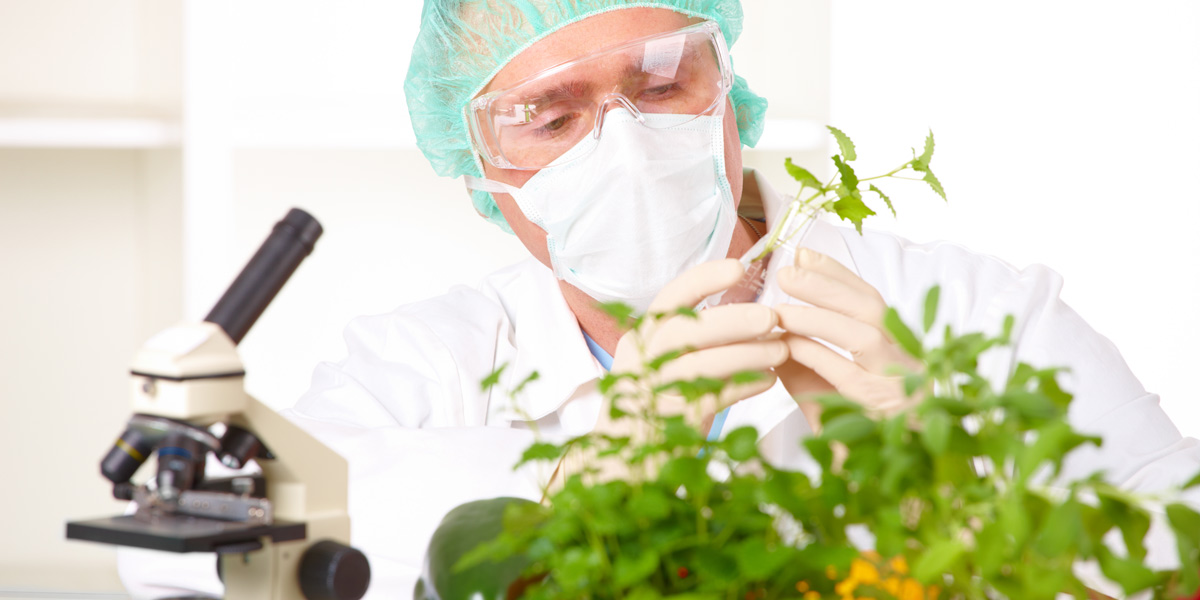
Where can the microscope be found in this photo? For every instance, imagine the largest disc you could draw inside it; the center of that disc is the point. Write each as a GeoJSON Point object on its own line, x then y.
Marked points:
{"type": "Point", "coordinates": [280, 535]}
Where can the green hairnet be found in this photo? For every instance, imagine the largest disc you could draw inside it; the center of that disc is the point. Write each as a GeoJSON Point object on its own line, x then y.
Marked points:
{"type": "Point", "coordinates": [464, 43]}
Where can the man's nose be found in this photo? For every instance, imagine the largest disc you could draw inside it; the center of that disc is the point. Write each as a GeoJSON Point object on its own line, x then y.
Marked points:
{"type": "Point", "coordinates": [614, 100]}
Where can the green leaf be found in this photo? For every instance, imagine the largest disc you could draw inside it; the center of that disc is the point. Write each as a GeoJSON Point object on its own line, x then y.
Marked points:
{"type": "Point", "coordinates": [688, 312]}
{"type": "Point", "coordinates": [678, 433]}
{"type": "Point", "coordinates": [1030, 405]}
{"type": "Point", "coordinates": [1133, 522]}
{"type": "Point", "coordinates": [927, 156]}
{"type": "Point", "coordinates": [849, 428]}
{"type": "Point", "coordinates": [712, 563]}
{"type": "Point", "coordinates": [853, 209]}
{"type": "Point", "coordinates": [936, 560]}
{"type": "Point", "coordinates": [619, 311]}
{"type": "Point", "coordinates": [530, 378]}
{"type": "Point", "coordinates": [931, 306]}
{"type": "Point", "coordinates": [1193, 482]}
{"type": "Point", "coordinates": [1014, 519]}
{"type": "Point", "coordinates": [933, 182]}
{"type": "Point", "coordinates": [1053, 443]}
{"type": "Point", "coordinates": [541, 451]}
{"type": "Point", "coordinates": [913, 382]}
{"type": "Point", "coordinates": [848, 178]}
{"type": "Point", "coordinates": [687, 472]}
{"type": "Point", "coordinates": [492, 379]}
{"type": "Point", "coordinates": [802, 175]}
{"type": "Point", "coordinates": [657, 362]}
{"type": "Point", "coordinates": [902, 334]}
{"type": "Point", "coordinates": [744, 377]}
{"type": "Point", "coordinates": [886, 200]}
{"type": "Point", "coordinates": [757, 560]}
{"type": "Point", "coordinates": [1185, 521]}
{"type": "Point", "coordinates": [844, 144]}
{"type": "Point", "coordinates": [650, 504]}
{"type": "Point", "coordinates": [1061, 529]}
{"type": "Point", "coordinates": [937, 432]}
{"type": "Point", "coordinates": [742, 443]}
{"type": "Point", "coordinates": [1130, 574]}
{"type": "Point", "coordinates": [1006, 331]}
{"type": "Point", "coordinates": [991, 548]}
{"type": "Point", "coordinates": [628, 570]}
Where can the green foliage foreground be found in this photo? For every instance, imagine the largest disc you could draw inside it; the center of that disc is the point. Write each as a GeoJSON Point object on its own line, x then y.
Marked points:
{"type": "Point", "coordinates": [966, 487]}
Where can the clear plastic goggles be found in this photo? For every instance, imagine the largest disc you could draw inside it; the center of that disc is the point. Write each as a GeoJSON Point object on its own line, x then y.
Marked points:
{"type": "Point", "coordinates": [533, 123]}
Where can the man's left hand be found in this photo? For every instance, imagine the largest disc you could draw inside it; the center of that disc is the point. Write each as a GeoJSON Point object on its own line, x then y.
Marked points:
{"type": "Point", "coordinates": [848, 313]}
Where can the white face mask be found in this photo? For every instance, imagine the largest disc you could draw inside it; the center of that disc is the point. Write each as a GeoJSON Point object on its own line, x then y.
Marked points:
{"type": "Point", "coordinates": [643, 207]}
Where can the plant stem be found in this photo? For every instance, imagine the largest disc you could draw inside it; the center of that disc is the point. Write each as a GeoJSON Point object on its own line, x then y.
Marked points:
{"type": "Point", "coordinates": [889, 173]}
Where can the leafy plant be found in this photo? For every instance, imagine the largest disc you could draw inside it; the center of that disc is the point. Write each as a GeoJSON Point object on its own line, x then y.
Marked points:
{"type": "Point", "coordinates": [965, 488]}
{"type": "Point", "coordinates": [842, 194]}
{"type": "Point", "coordinates": [961, 496]}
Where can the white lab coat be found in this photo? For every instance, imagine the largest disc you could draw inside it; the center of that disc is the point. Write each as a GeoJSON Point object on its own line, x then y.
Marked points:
{"type": "Point", "coordinates": [406, 409]}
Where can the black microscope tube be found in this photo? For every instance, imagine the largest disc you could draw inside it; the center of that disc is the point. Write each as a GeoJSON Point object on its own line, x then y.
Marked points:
{"type": "Point", "coordinates": [290, 242]}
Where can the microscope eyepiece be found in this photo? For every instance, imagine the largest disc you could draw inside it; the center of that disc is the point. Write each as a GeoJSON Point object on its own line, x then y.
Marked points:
{"type": "Point", "coordinates": [292, 239]}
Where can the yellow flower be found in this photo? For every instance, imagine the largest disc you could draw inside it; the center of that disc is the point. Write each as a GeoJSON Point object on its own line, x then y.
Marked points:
{"type": "Point", "coordinates": [846, 588]}
{"type": "Point", "coordinates": [811, 595]}
{"type": "Point", "coordinates": [831, 572]}
{"type": "Point", "coordinates": [911, 590]}
{"type": "Point", "coordinates": [899, 565]}
{"type": "Point", "coordinates": [801, 586]}
{"type": "Point", "coordinates": [864, 572]}
{"type": "Point", "coordinates": [891, 585]}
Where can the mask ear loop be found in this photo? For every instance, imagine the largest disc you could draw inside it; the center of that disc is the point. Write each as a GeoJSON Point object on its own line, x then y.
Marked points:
{"type": "Point", "coordinates": [487, 185]}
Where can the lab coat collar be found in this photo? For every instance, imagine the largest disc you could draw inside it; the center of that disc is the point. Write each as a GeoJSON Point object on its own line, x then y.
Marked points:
{"type": "Point", "coordinates": [543, 337]}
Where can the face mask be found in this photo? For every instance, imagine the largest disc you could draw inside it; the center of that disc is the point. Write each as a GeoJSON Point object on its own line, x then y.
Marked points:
{"type": "Point", "coordinates": [643, 205]}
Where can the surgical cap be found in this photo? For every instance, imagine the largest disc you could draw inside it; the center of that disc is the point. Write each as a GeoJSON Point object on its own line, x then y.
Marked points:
{"type": "Point", "coordinates": [464, 43]}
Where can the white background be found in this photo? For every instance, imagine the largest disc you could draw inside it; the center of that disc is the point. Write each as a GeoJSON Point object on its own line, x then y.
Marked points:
{"type": "Point", "coordinates": [1068, 135]}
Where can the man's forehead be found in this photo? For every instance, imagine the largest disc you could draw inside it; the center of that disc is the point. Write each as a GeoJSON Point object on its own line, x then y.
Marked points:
{"type": "Point", "coordinates": [586, 37]}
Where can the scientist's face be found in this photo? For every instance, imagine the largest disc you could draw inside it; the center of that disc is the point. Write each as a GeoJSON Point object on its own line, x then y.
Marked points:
{"type": "Point", "coordinates": [573, 41]}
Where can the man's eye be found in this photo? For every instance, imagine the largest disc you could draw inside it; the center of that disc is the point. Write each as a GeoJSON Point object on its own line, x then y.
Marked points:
{"type": "Point", "coordinates": [660, 91]}
{"type": "Point", "coordinates": [556, 124]}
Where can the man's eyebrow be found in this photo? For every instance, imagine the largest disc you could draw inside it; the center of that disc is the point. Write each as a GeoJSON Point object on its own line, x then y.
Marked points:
{"type": "Point", "coordinates": [559, 91]}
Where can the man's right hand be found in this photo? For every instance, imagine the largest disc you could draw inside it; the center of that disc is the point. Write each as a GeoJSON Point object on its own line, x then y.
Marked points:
{"type": "Point", "coordinates": [717, 343]}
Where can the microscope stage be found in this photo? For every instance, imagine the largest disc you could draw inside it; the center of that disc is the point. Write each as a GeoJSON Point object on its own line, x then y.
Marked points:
{"type": "Point", "coordinates": [174, 533]}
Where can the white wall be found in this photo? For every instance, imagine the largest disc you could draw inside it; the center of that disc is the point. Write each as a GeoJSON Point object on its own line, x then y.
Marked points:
{"type": "Point", "coordinates": [87, 274]}
{"type": "Point", "coordinates": [1067, 135]}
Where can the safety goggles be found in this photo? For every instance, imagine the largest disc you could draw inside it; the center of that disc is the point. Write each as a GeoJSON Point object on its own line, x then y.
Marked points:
{"type": "Point", "coordinates": [535, 122]}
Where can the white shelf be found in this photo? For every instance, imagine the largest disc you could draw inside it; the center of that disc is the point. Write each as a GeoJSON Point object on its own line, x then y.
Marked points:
{"type": "Point", "coordinates": [88, 132]}
{"type": "Point", "coordinates": [334, 131]}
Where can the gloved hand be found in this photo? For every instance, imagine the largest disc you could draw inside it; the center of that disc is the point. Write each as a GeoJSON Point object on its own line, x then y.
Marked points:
{"type": "Point", "coordinates": [718, 343]}
{"type": "Point", "coordinates": [848, 313]}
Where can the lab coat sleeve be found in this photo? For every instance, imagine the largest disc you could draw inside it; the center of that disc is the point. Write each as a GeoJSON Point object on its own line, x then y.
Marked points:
{"type": "Point", "coordinates": [406, 411]}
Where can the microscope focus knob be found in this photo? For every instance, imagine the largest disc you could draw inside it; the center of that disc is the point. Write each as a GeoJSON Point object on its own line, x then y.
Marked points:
{"type": "Point", "coordinates": [333, 571]}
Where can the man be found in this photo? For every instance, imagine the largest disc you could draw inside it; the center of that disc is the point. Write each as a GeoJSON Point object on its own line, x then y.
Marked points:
{"type": "Point", "coordinates": [606, 135]}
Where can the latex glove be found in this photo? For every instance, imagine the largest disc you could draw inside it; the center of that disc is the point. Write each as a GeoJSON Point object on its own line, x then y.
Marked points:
{"type": "Point", "coordinates": [848, 313]}
{"type": "Point", "coordinates": [720, 342]}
